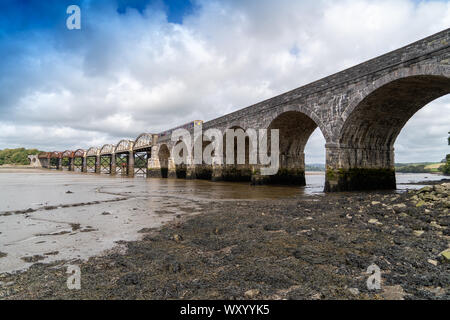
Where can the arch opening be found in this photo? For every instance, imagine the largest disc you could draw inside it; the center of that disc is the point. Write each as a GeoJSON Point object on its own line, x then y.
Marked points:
{"type": "Point", "coordinates": [295, 129]}
{"type": "Point", "coordinates": [364, 158]}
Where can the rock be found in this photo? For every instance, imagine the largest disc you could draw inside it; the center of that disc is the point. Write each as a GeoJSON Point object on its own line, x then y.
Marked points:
{"type": "Point", "coordinates": [272, 227]}
{"type": "Point", "coordinates": [425, 190]}
{"type": "Point", "coordinates": [430, 197]}
{"type": "Point", "coordinates": [375, 221]}
{"type": "Point", "coordinates": [435, 225]}
{"type": "Point", "coordinates": [446, 255]}
{"type": "Point", "coordinates": [354, 291]}
{"type": "Point", "coordinates": [177, 238]}
{"type": "Point", "coordinates": [393, 293]}
{"type": "Point", "coordinates": [433, 262]}
{"type": "Point", "coordinates": [398, 207]}
{"type": "Point", "coordinates": [316, 296]}
{"type": "Point", "coordinates": [130, 279]}
{"type": "Point", "coordinates": [418, 233]}
{"type": "Point", "coordinates": [33, 259]}
{"type": "Point", "coordinates": [251, 294]}
{"type": "Point", "coordinates": [106, 213]}
{"type": "Point", "coordinates": [421, 203]}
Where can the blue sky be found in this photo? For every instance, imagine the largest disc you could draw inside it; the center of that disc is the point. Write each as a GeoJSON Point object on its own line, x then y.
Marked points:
{"type": "Point", "coordinates": [150, 65]}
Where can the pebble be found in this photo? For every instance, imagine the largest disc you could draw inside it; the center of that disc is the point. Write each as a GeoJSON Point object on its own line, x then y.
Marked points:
{"type": "Point", "coordinates": [418, 233]}
{"type": "Point", "coordinates": [354, 291]}
{"type": "Point", "coordinates": [433, 262]}
{"type": "Point", "coordinates": [251, 294]}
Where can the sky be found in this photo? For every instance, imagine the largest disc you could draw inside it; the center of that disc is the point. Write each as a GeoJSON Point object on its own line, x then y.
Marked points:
{"type": "Point", "coordinates": [148, 66]}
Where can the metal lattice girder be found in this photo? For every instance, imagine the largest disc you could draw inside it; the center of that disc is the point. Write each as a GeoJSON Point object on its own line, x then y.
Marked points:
{"type": "Point", "coordinates": [105, 164]}
{"type": "Point", "coordinates": [90, 164]}
{"type": "Point", "coordinates": [56, 155]}
{"type": "Point", "coordinates": [92, 152]}
{"type": "Point", "coordinates": [121, 163]}
{"type": "Point", "coordinates": [140, 163]}
{"type": "Point", "coordinates": [78, 164]}
{"type": "Point", "coordinates": [144, 141]}
{"type": "Point", "coordinates": [124, 146]}
{"type": "Point", "coordinates": [67, 154]}
{"type": "Point", "coordinates": [79, 153]}
{"type": "Point", "coordinates": [107, 149]}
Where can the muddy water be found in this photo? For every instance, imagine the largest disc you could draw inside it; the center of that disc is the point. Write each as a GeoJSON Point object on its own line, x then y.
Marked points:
{"type": "Point", "coordinates": [49, 215]}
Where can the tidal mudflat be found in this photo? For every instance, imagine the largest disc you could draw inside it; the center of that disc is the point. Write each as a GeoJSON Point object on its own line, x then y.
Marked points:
{"type": "Point", "coordinates": [49, 215]}
{"type": "Point", "coordinates": [172, 239]}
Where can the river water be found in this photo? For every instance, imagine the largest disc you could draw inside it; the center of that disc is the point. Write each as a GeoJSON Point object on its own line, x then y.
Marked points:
{"type": "Point", "coordinates": [49, 215]}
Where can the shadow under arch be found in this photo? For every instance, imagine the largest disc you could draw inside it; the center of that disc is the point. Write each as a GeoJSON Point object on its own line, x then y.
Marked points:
{"type": "Point", "coordinates": [163, 157]}
{"type": "Point", "coordinates": [365, 154]}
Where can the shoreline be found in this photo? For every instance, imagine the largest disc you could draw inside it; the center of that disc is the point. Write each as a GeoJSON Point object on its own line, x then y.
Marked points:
{"type": "Point", "coordinates": [279, 249]}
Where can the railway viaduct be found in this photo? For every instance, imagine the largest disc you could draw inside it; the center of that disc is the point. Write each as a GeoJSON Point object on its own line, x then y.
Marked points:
{"type": "Point", "coordinates": [360, 112]}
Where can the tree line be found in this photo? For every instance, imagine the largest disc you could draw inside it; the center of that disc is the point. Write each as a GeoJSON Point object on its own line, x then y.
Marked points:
{"type": "Point", "coordinates": [17, 156]}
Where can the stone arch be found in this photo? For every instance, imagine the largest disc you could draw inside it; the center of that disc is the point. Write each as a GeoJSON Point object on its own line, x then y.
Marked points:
{"type": "Point", "coordinates": [307, 112]}
{"type": "Point", "coordinates": [164, 156]}
{"type": "Point", "coordinates": [364, 149]}
{"type": "Point", "coordinates": [402, 73]}
{"type": "Point", "coordinates": [377, 120]}
{"type": "Point", "coordinates": [295, 128]}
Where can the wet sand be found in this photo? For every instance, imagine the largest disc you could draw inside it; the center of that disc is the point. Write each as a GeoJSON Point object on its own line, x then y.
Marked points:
{"type": "Point", "coordinates": [48, 215]}
{"type": "Point", "coordinates": [177, 239]}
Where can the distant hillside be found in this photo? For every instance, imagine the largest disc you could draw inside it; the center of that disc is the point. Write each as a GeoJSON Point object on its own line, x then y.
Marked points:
{"type": "Point", "coordinates": [16, 156]}
{"type": "Point", "coordinates": [424, 167]}
{"type": "Point", "coordinates": [315, 167]}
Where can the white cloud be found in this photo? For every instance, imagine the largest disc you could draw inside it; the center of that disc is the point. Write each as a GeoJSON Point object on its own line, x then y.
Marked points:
{"type": "Point", "coordinates": [138, 73]}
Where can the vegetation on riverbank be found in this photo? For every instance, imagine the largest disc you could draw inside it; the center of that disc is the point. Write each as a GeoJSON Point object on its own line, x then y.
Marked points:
{"type": "Point", "coordinates": [446, 168]}
{"type": "Point", "coordinates": [426, 167]}
{"type": "Point", "coordinates": [17, 156]}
